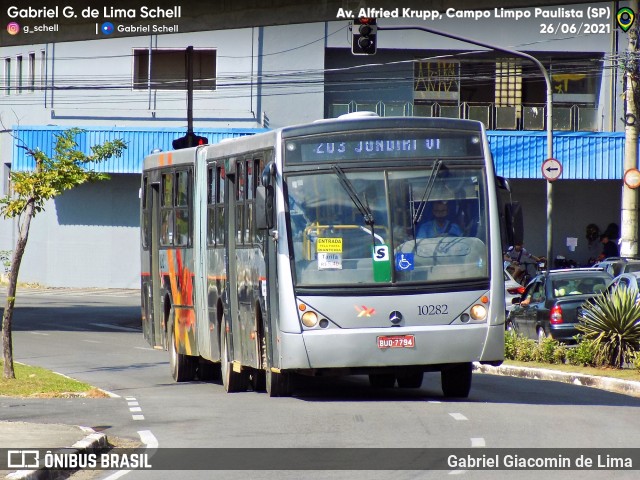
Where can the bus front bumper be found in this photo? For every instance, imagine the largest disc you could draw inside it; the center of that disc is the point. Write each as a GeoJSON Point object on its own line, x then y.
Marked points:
{"type": "Point", "coordinates": [358, 348]}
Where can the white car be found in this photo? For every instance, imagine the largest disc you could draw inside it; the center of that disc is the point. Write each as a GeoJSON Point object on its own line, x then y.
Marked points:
{"type": "Point", "coordinates": [512, 289]}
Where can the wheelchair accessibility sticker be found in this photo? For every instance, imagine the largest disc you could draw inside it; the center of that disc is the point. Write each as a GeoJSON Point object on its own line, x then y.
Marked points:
{"type": "Point", "coordinates": [404, 261]}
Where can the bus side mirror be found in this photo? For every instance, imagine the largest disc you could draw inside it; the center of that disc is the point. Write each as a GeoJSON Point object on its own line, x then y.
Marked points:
{"type": "Point", "coordinates": [264, 207]}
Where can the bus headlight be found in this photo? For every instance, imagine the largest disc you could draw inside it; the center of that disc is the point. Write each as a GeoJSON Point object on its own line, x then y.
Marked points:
{"type": "Point", "coordinates": [310, 319]}
{"type": "Point", "coordinates": [478, 312]}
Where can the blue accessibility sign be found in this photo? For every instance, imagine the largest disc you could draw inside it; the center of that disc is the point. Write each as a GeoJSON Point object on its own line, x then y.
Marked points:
{"type": "Point", "coordinates": [404, 261]}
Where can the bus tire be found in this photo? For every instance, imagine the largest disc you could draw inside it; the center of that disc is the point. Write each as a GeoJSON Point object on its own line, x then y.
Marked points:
{"type": "Point", "coordinates": [456, 380]}
{"type": "Point", "coordinates": [382, 380]}
{"type": "Point", "coordinates": [278, 384]}
{"type": "Point", "coordinates": [183, 367]}
{"type": "Point", "coordinates": [231, 380]}
{"type": "Point", "coordinates": [410, 380]}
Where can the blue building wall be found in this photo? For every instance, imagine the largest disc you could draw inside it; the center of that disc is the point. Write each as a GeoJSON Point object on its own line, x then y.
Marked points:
{"type": "Point", "coordinates": [518, 155]}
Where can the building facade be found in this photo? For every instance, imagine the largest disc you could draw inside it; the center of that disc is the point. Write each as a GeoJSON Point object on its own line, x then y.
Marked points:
{"type": "Point", "coordinates": [246, 80]}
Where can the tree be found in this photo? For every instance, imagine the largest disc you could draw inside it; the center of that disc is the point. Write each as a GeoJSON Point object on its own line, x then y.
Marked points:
{"type": "Point", "coordinates": [67, 168]}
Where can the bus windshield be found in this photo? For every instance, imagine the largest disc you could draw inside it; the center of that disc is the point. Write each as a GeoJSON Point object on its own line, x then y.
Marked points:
{"type": "Point", "coordinates": [428, 225]}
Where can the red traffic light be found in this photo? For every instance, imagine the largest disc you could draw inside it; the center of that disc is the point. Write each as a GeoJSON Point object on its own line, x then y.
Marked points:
{"type": "Point", "coordinates": [189, 140]}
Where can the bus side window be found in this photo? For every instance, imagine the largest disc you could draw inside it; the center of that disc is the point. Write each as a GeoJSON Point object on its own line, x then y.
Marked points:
{"type": "Point", "coordinates": [211, 200]}
{"type": "Point", "coordinates": [166, 210]}
{"type": "Point", "coordinates": [220, 210]}
{"type": "Point", "coordinates": [182, 207]}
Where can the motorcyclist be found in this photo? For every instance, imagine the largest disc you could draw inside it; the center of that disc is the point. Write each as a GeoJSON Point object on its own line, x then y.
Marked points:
{"type": "Point", "coordinates": [519, 258]}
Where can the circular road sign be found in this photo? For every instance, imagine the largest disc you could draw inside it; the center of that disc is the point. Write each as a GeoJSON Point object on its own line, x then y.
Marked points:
{"type": "Point", "coordinates": [632, 178]}
{"type": "Point", "coordinates": [551, 169]}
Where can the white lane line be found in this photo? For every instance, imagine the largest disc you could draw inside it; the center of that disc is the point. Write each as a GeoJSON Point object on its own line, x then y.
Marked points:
{"type": "Point", "coordinates": [478, 442]}
{"type": "Point", "coordinates": [39, 333]}
{"type": "Point", "coordinates": [115, 327]}
{"type": "Point", "coordinates": [145, 348]}
{"type": "Point", "coordinates": [130, 399]}
{"type": "Point", "coordinates": [91, 341]}
{"type": "Point", "coordinates": [458, 416]}
{"type": "Point", "coordinates": [135, 409]}
{"type": "Point", "coordinates": [148, 438]}
{"type": "Point", "coordinates": [457, 472]}
{"type": "Point", "coordinates": [132, 403]}
{"type": "Point", "coordinates": [117, 475]}
{"type": "Point", "coordinates": [137, 417]}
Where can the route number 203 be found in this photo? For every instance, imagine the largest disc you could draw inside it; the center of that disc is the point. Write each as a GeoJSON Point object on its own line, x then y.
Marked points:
{"type": "Point", "coordinates": [433, 309]}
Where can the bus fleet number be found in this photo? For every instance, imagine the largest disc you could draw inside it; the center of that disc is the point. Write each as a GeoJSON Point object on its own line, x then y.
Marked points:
{"type": "Point", "coordinates": [433, 309]}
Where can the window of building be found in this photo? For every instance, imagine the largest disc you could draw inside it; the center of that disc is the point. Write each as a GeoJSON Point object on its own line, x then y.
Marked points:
{"type": "Point", "coordinates": [32, 72]}
{"type": "Point", "coordinates": [19, 73]}
{"type": "Point", "coordinates": [43, 69]}
{"type": "Point", "coordinates": [166, 69]}
{"type": "Point", "coordinates": [7, 76]}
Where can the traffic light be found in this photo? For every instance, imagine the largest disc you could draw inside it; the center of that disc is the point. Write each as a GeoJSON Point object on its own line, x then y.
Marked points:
{"type": "Point", "coordinates": [364, 36]}
{"type": "Point", "coordinates": [189, 140]}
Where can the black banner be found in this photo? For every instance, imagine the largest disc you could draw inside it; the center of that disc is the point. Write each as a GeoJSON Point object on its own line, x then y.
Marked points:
{"type": "Point", "coordinates": [324, 459]}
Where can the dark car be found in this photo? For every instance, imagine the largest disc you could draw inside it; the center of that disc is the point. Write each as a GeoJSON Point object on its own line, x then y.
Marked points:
{"type": "Point", "coordinates": [550, 302]}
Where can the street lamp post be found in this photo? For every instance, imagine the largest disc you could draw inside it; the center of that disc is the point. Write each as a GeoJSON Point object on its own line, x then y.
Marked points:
{"type": "Point", "coordinates": [547, 80]}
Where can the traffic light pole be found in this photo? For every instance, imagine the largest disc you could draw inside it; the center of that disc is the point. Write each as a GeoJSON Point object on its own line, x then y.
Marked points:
{"type": "Point", "coordinates": [547, 80]}
{"type": "Point", "coordinates": [189, 59]}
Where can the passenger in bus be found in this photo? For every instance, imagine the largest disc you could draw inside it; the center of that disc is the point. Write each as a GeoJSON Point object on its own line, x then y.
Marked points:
{"type": "Point", "coordinates": [441, 225]}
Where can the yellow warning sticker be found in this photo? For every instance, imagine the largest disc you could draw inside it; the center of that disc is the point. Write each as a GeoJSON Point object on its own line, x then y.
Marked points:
{"type": "Point", "coordinates": [329, 245]}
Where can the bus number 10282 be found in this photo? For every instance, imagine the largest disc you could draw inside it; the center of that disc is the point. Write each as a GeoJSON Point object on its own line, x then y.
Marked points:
{"type": "Point", "coordinates": [433, 309]}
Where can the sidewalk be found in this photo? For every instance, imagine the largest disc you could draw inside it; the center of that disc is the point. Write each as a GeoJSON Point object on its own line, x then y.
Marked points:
{"type": "Point", "coordinates": [21, 435]}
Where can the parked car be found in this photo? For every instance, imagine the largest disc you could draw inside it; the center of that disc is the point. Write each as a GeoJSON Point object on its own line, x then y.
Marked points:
{"type": "Point", "coordinates": [629, 280]}
{"type": "Point", "coordinates": [549, 304]}
{"type": "Point", "coordinates": [512, 289]}
{"type": "Point", "coordinates": [614, 266]}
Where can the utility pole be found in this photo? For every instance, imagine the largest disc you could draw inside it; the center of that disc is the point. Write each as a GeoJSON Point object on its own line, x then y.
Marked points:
{"type": "Point", "coordinates": [629, 217]}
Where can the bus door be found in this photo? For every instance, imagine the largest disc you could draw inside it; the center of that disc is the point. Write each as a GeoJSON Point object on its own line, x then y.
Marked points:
{"type": "Point", "coordinates": [153, 330]}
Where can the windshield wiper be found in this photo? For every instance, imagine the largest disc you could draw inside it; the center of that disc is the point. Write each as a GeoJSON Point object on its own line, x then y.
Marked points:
{"type": "Point", "coordinates": [353, 195]}
{"type": "Point", "coordinates": [417, 215]}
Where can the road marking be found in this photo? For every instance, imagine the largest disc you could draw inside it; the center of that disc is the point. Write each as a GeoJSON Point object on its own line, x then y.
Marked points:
{"type": "Point", "coordinates": [115, 327]}
{"type": "Point", "coordinates": [478, 442]}
{"type": "Point", "coordinates": [145, 348]}
{"type": "Point", "coordinates": [91, 341]}
{"type": "Point", "coordinates": [132, 403]}
{"type": "Point", "coordinates": [135, 409]}
{"type": "Point", "coordinates": [39, 333]}
{"type": "Point", "coordinates": [458, 416]}
{"type": "Point", "coordinates": [457, 472]}
{"type": "Point", "coordinates": [137, 417]}
{"type": "Point", "coordinates": [148, 438]}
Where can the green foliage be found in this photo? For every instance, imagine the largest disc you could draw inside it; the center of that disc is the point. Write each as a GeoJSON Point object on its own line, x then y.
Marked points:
{"type": "Point", "coordinates": [610, 320]}
{"type": "Point", "coordinates": [545, 350]}
{"type": "Point", "coordinates": [583, 354]}
{"type": "Point", "coordinates": [636, 361]}
{"type": "Point", "coordinates": [510, 342]}
{"type": "Point", "coordinates": [66, 169]}
{"type": "Point", "coordinates": [517, 347]}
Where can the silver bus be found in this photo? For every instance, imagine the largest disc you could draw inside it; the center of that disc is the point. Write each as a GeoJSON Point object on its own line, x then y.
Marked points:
{"type": "Point", "coordinates": [358, 245]}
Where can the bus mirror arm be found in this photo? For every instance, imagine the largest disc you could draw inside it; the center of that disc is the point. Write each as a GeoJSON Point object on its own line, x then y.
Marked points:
{"type": "Point", "coordinates": [264, 207]}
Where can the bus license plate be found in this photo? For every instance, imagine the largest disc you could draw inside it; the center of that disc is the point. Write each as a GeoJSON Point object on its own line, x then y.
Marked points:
{"type": "Point", "coordinates": [397, 341]}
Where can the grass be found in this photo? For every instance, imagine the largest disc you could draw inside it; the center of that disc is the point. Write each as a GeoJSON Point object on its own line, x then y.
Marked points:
{"type": "Point", "coordinates": [624, 374]}
{"type": "Point", "coordinates": [41, 383]}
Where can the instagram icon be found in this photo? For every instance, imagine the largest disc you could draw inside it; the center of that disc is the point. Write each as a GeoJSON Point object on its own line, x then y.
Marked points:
{"type": "Point", "coordinates": [13, 28]}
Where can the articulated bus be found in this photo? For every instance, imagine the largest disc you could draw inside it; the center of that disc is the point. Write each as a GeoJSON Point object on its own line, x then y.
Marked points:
{"type": "Point", "coordinates": [306, 250]}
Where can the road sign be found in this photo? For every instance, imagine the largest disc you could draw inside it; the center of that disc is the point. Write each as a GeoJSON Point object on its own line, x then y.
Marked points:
{"type": "Point", "coordinates": [632, 178]}
{"type": "Point", "coordinates": [551, 169]}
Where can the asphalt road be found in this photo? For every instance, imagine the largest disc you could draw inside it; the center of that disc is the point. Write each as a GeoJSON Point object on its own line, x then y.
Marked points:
{"type": "Point", "coordinates": [95, 337]}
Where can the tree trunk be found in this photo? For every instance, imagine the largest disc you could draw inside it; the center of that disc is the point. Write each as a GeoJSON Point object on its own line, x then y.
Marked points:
{"type": "Point", "coordinates": [7, 344]}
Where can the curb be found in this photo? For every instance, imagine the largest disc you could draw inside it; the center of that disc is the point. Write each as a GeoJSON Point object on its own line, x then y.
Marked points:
{"type": "Point", "coordinates": [92, 441]}
{"type": "Point", "coordinates": [616, 385]}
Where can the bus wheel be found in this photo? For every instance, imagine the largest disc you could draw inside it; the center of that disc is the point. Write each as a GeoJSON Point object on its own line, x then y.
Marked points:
{"type": "Point", "coordinates": [232, 381]}
{"type": "Point", "coordinates": [382, 380]}
{"type": "Point", "coordinates": [278, 384]}
{"type": "Point", "coordinates": [183, 367]}
{"type": "Point", "coordinates": [456, 380]}
{"type": "Point", "coordinates": [410, 380]}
